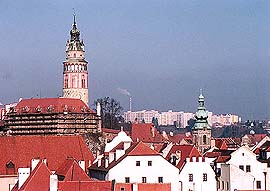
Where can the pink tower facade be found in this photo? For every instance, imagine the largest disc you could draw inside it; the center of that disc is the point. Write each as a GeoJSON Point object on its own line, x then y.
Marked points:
{"type": "Point", "coordinates": [75, 83]}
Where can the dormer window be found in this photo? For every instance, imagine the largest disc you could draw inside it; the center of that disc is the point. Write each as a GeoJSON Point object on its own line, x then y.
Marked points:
{"type": "Point", "coordinates": [83, 109]}
{"type": "Point", "coordinates": [38, 109]}
{"type": "Point", "coordinates": [10, 168]}
{"type": "Point", "coordinates": [50, 108]}
{"type": "Point", "coordinates": [26, 109]}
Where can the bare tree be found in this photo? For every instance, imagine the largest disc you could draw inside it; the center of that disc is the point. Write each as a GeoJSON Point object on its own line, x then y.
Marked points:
{"type": "Point", "coordinates": [110, 111]}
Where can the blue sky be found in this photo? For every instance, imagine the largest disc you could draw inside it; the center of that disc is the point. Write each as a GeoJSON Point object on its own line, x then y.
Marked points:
{"type": "Point", "coordinates": [162, 52]}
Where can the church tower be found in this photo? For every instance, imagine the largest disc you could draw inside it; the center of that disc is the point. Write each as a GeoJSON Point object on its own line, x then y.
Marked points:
{"type": "Point", "coordinates": [75, 84]}
{"type": "Point", "coordinates": [201, 130]}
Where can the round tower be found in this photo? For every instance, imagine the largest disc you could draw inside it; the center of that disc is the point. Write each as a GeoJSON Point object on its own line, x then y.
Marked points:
{"type": "Point", "coordinates": [75, 73]}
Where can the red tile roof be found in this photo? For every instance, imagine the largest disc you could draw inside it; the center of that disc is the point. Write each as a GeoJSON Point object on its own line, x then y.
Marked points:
{"type": "Point", "coordinates": [146, 132]}
{"type": "Point", "coordinates": [177, 138]}
{"type": "Point", "coordinates": [20, 150]}
{"type": "Point", "coordinates": [39, 179]}
{"type": "Point", "coordinates": [85, 185]}
{"type": "Point", "coordinates": [141, 149]}
{"type": "Point", "coordinates": [144, 186]}
{"type": "Point", "coordinates": [52, 105]}
{"type": "Point", "coordinates": [136, 149]}
{"type": "Point", "coordinates": [71, 171]}
{"type": "Point", "coordinates": [186, 151]}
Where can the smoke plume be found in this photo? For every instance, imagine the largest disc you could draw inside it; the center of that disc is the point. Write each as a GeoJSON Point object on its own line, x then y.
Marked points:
{"type": "Point", "coordinates": [124, 91]}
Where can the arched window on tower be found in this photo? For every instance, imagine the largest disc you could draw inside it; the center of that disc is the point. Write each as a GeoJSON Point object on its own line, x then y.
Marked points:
{"type": "Point", "coordinates": [66, 83]}
{"type": "Point", "coordinates": [76, 67]}
{"type": "Point", "coordinates": [73, 80]}
{"type": "Point", "coordinates": [83, 82]}
{"type": "Point", "coordinates": [204, 139]}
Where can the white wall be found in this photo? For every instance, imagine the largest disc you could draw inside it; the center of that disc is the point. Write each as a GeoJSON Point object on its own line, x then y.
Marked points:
{"type": "Point", "coordinates": [241, 179]}
{"type": "Point", "coordinates": [197, 169]}
{"type": "Point", "coordinates": [160, 168]}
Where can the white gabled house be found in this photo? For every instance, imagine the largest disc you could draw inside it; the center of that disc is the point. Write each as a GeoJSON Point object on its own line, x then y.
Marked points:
{"type": "Point", "coordinates": [197, 174]}
{"type": "Point", "coordinates": [137, 163]}
{"type": "Point", "coordinates": [242, 171]}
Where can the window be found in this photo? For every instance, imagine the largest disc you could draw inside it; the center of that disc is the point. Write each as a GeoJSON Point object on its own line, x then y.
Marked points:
{"type": "Point", "coordinates": [190, 177]}
{"type": "Point", "coordinates": [127, 180]}
{"type": "Point", "coordinates": [138, 163]}
{"type": "Point", "coordinates": [122, 189]}
{"type": "Point", "coordinates": [204, 139]}
{"type": "Point", "coordinates": [160, 179]}
{"type": "Point", "coordinates": [258, 184]}
{"type": "Point", "coordinates": [227, 184]}
{"type": "Point", "coordinates": [143, 179]}
{"type": "Point", "coordinates": [204, 177]}
{"type": "Point", "coordinates": [248, 168]}
{"type": "Point", "coordinates": [66, 83]}
{"type": "Point", "coordinates": [218, 184]}
{"type": "Point", "coordinates": [149, 163]}
{"type": "Point", "coordinates": [241, 167]}
{"type": "Point", "coordinates": [223, 185]}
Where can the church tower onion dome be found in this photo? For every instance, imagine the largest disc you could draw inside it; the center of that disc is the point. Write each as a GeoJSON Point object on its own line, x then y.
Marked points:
{"type": "Point", "coordinates": [201, 115]}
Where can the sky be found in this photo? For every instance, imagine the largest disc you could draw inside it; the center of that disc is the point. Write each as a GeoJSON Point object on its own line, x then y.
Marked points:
{"type": "Point", "coordinates": [161, 52]}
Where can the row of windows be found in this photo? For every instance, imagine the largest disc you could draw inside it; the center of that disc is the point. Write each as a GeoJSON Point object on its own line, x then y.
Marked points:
{"type": "Point", "coordinates": [248, 168]}
{"type": "Point", "coordinates": [73, 81]}
{"type": "Point", "coordinates": [149, 163]}
{"type": "Point", "coordinates": [144, 179]}
{"type": "Point", "coordinates": [190, 177]}
{"type": "Point", "coordinates": [75, 67]}
{"type": "Point", "coordinates": [258, 185]}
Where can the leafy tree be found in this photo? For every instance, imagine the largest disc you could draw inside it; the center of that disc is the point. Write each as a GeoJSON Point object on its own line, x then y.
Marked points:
{"type": "Point", "coordinates": [110, 111]}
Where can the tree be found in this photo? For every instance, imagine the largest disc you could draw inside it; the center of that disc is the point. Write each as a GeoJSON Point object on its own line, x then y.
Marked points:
{"type": "Point", "coordinates": [110, 111]}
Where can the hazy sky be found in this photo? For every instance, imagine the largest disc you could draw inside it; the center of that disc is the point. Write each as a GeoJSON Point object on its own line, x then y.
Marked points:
{"type": "Point", "coordinates": [161, 51]}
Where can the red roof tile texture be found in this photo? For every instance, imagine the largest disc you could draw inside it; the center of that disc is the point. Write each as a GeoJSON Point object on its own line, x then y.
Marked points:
{"type": "Point", "coordinates": [52, 105]}
{"type": "Point", "coordinates": [146, 132]}
{"type": "Point", "coordinates": [39, 179]}
{"type": "Point", "coordinates": [85, 185]}
{"type": "Point", "coordinates": [144, 186]}
{"type": "Point", "coordinates": [186, 151]}
{"type": "Point", "coordinates": [71, 171]}
{"type": "Point", "coordinates": [20, 150]}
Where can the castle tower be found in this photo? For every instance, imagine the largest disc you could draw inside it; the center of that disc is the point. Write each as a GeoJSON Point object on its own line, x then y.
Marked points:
{"type": "Point", "coordinates": [75, 84]}
{"type": "Point", "coordinates": [201, 130]}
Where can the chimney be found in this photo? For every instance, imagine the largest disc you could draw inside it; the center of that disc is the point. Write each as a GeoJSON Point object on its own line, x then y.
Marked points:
{"type": "Point", "coordinates": [130, 104]}
{"type": "Point", "coordinates": [53, 182]}
{"type": "Point", "coordinates": [82, 164]}
{"type": "Point", "coordinates": [34, 163]}
{"type": "Point", "coordinates": [106, 162]}
{"type": "Point", "coordinates": [98, 109]}
{"type": "Point", "coordinates": [23, 175]}
{"type": "Point", "coordinates": [135, 187]}
{"type": "Point", "coordinates": [126, 145]}
{"type": "Point", "coordinates": [153, 131]}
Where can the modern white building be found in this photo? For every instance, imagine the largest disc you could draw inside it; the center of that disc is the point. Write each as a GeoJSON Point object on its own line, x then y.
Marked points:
{"type": "Point", "coordinates": [178, 118]}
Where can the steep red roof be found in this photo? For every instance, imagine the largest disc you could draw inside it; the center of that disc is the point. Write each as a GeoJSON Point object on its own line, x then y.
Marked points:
{"type": "Point", "coordinates": [52, 105]}
{"type": "Point", "coordinates": [221, 144]}
{"type": "Point", "coordinates": [177, 138]}
{"type": "Point", "coordinates": [146, 132]}
{"type": "Point", "coordinates": [20, 150]}
{"type": "Point", "coordinates": [85, 185]}
{"type": "Point", "coordinates": [141, 149]}
{"type": "Point", "coordinates": [39, 179]}
{"type": "Point", "coordinates": [136, 149]}
{"type": "Point", "coordinates": [71, 171]}
{"type": "Point", "coordinates": [144, 186]}
{"type": "Point", "coordinates": [186, 151]}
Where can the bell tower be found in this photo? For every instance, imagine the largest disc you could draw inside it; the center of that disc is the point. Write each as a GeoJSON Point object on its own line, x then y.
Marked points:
{"type": "Point", "coordinates": [75, 73]}
{"type": "Point", "coordinates": [201, 130]}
